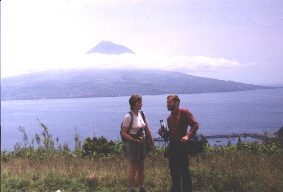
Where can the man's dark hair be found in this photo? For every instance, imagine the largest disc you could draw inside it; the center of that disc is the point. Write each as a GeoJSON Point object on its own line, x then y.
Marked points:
{"type": "Point", "coordinates": [134, 99]}
{"type": "Point", "coordinates": [175, 98]}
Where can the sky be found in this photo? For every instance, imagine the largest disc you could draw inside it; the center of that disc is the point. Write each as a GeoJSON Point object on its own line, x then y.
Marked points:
{"type": "Point", "coordinates": [224, 39]}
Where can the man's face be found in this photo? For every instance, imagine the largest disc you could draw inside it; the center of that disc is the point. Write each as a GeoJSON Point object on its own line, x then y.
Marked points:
{"type": "Point", "coordinates": [171, 105]}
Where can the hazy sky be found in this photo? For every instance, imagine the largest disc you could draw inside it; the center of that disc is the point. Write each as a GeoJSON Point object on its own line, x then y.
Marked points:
{"type": "Point", "coordinates": [238, 40]}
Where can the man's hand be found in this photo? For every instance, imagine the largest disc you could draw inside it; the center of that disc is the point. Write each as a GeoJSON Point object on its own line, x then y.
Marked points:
{"type": "Point", "coordinates": [185, 139]}
{"type": "Point", "coordinates": [160, 131]}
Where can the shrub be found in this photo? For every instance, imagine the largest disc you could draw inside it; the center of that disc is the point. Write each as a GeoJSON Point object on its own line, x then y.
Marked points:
{"type": "Point", "coordinates": [100, 146]}
{"type": "Point", "coordinates": [280, 132]}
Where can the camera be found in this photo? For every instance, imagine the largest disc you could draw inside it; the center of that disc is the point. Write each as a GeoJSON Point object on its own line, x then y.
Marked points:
{"type": "Point", "coordinates": [138, 135]}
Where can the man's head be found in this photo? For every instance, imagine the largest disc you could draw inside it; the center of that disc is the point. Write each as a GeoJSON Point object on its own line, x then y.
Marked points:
{"type": "Point", "coordinates": [134, 99]}
{"type": "Point", "coordinates": [173, 102]}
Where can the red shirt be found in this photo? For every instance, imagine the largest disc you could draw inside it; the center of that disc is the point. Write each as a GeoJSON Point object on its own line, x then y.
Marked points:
{"type": "Point", "coordinates": [178, 126]}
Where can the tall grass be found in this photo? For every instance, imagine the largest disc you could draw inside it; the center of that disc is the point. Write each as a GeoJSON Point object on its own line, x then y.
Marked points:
{"type": "Point", "coordinates": [49, 167]}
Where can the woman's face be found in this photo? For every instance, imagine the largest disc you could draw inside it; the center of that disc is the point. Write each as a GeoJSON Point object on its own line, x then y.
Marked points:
{"type": "Point", "coordinates": [138, 105]}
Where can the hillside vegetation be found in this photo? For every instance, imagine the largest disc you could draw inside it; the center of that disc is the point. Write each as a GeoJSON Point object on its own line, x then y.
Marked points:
{"type": "Point", "coordinates": [111, 83]}
{"type": "Point", "coordinates": [43, 164]}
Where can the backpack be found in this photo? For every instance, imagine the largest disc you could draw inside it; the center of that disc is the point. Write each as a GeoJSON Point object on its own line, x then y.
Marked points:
{"type": "Point", "coordinates": [130, 126]}
{"type": "Point", "coordinates": [196, 143]}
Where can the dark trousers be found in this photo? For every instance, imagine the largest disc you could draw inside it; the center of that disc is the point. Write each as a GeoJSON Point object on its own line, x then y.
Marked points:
{"type": "Point", "coordinates": [179, 168]}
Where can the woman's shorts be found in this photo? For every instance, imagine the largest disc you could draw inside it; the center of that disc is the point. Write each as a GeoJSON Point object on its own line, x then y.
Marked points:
{"type": "Point", "coordinates": [136, 152]}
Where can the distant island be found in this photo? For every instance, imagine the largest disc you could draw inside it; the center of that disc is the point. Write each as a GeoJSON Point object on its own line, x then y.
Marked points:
{"type": "Point", "coordinates": [111, 83]}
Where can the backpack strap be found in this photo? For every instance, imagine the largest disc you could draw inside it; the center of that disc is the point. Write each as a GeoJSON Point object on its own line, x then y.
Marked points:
{"type": "Point", "coordinates": [130, 126]}
{"type": "Point", "coordinates": [143, 116]}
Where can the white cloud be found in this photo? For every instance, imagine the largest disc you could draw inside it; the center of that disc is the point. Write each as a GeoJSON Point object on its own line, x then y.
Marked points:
{"type": "Point", "coordinates": [155, 62]}
{"type": "Point", "coordinates": [164, 62]}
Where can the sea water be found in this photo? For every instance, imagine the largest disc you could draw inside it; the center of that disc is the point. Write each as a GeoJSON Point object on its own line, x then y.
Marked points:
{"type": "Point", "coordinates": [217, 113]}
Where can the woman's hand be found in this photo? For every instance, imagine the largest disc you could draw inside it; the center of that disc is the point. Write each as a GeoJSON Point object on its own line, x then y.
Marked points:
{"type": "Point", "coordinates": [139, 140]}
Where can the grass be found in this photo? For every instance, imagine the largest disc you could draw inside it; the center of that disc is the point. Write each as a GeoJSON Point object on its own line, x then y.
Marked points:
{"type": "Point", "coordinates": [211, 172]}
{"type": "Point", "coordinates": [236, 168]}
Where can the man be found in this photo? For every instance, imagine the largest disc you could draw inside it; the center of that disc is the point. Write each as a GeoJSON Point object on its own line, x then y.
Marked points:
{"type": "Point", "coordinates": [178, 122]}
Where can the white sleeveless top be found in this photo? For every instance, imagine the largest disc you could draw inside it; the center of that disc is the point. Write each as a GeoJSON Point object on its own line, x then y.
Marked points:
{"type": "Point", "coordinates": [137, 122]}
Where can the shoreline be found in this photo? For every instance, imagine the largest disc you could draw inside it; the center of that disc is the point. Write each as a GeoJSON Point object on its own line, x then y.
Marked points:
{"type": "Point", "coordinates": [262, 136]}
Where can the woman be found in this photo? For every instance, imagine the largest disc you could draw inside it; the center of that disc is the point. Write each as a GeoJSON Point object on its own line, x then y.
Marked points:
{"type": "Point", "coordinates": [134, 128]}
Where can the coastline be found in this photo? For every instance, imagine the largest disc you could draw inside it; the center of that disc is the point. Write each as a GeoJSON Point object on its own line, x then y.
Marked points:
{"type": "Point", "coordinates": [261, 136]}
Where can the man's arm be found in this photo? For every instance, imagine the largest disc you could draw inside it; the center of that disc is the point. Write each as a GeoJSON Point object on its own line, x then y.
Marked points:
{"type": "Point", "coordinates": [193, 124]}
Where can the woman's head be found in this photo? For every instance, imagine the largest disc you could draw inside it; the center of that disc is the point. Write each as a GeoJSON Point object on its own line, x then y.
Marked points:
{"type": "Point", "coordinates": [134, 99]}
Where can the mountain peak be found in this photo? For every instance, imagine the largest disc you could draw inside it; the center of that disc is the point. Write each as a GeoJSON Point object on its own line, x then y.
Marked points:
{"type": "Point", "coordinates": [107, 47]}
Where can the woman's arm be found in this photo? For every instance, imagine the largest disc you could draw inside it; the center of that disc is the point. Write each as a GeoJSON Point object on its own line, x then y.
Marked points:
{"type": "Point", "coordinates": [149, 135]}
{"type": "Point", "coordinates": [129, 137]}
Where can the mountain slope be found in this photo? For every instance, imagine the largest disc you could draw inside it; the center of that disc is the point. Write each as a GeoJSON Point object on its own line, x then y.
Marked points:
{"type": "Point", "coordinates": [111, 82]}
{"type": "Point", "coordinates": [107, 47]}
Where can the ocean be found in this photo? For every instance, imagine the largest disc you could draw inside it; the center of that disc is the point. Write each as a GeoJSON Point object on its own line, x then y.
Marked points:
{"type": "Point", "coordinates": [250, 111]}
